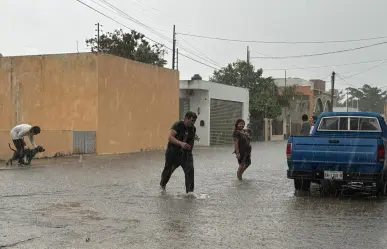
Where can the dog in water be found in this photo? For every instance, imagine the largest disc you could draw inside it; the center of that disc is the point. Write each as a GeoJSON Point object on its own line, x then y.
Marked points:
{"type": "Point", "coordinates": [29, 154]}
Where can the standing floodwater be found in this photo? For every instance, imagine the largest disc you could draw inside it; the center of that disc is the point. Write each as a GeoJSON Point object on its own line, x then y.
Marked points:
{"type": "Point", "coordinates": [115, 202]}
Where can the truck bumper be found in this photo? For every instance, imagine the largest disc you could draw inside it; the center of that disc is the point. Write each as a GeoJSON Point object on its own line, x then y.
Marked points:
{"type": "Point", "coordinates": [347, 177]}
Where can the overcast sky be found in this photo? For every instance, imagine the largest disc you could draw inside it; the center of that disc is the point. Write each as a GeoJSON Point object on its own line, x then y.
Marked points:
{"type": "Point", "coordinates": [54, 26]}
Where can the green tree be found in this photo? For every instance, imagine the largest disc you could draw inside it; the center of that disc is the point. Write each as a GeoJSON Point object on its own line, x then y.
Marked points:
{"type": "Point", "coordinates": [371, 99]}
{"type": "Point", "coordinates": [131, 45]}
{"type": "Point", "coordinates": [340, 97]}
{"type": "Point", "coordinates": [265, 99]}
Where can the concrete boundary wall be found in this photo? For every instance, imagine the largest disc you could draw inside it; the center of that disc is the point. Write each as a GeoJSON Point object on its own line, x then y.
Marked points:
{"type": "Point", "coordinates": [130, 105]}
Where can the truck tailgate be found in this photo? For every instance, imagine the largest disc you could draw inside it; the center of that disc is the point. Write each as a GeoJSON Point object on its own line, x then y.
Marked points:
{"type": "Point", "coordinates": [332, 151]}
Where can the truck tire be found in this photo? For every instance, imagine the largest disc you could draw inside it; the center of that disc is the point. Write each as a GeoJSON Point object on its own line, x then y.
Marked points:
{"type": "Point", "coordinates": [325, 187]}
{"type": "Point", "coordinates": [329, 187]}
{"type": "Point", "coordinates": [301, 184]}
{"type": "Point", "coordinates": [381, 188]}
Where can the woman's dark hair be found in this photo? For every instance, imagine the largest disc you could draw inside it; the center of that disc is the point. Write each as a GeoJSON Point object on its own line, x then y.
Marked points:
{"type": "Point", "coordinates": [237, 122]}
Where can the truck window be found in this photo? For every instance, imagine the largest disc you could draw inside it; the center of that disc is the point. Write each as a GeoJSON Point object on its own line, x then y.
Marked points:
{"type": "Point", "coordinates": [358, 124]}
{"type": "Point", "coordinates": [369, 124]}
{"type": "Point", "coordinates": [329, 124]}
{"type": "Point", "coordinates": [343, 124]}
{"type": "Point", "coordinates": [354, 124]}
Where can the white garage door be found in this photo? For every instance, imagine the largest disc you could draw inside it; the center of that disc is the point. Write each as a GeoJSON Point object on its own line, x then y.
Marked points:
{"type": "Point", "coordinates": [223, 115]}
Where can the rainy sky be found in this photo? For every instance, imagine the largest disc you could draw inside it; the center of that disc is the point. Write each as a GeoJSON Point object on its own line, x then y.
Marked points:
{"type": "Point", "coordinates": [55, 26]}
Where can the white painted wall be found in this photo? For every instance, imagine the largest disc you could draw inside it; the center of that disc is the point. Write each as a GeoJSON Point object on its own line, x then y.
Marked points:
{"type": "Point", "coordinates": [200, 101]}
{"type": "Point", "coordinates": [344, 109]}
{"type": "Point", "coordinates": [203, 91]}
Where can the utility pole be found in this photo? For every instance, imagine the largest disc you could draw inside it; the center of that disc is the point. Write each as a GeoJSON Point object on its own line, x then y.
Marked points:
{"type": "Point", "coordinates": [177, 59]}
{"type": "Point", "coordinates": [285, 82]}
{"type": "Point", "coordinates": [248, 55]}
{"type": "Point", "coordinates": [286, 109]}
{"type": "Point", "coordinates": [98, 36]}
{"type": "Point", "coordinates": [332, 89]}
{"type": "Point", "coordinates": [174, 48]}
{"type": "Point", "coordinates": [248, 78]}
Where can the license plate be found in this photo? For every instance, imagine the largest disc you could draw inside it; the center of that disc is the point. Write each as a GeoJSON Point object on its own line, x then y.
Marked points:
{"type": "Point", "coordinates": [333, 175]}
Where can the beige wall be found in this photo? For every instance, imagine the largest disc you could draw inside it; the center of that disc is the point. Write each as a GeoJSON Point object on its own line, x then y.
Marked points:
{"type": "Point", "coordinates": [6, 107]}
{"type": "Point", "coordinates": [56, 92]}
{"type": "Point", "coordinates": [59, 93]}
{"type": "Point", "coordinates": [131, 105]}
{"type": "Point", "coordinates": [138, 103]}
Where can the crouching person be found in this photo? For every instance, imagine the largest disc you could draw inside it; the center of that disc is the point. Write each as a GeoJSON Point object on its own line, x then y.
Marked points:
{"type": "Point", "coordinates": [17, 135]}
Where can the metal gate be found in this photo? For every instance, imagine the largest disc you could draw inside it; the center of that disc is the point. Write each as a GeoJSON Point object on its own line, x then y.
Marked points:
{"type": "Point", "coordinates": [84, 142]}
{"type": "Point", "coordinates": [278, 127]}
{"type": "Point", "coordinates": [223, 115]}
{"type": "Point", "coordinates": [258, 127]}
{"type": "Point", "coordinates": [183, 107]}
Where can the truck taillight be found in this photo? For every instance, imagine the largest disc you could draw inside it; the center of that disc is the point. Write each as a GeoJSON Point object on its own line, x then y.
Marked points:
{"type": "Point", "coordinates": [289, 150]}
{"type": "Point", "coordinates": [381, 153]}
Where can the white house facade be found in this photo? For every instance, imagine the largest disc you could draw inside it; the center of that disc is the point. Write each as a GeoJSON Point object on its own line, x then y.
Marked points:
{"type": "Point", "coordinates": [218, 106]}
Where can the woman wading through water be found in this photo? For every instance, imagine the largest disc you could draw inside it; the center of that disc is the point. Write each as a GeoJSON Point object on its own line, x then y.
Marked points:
{"type": "Point", "coordinates": [242, 147]}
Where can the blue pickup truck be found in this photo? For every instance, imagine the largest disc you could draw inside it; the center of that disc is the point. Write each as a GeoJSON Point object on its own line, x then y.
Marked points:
{"type": "Point", "coordinates": [344, 147]}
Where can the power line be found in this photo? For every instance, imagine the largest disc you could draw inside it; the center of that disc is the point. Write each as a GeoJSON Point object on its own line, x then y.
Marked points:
{"type": "Point", "coordinates": [189, 51]}
{"type": "Point", "coordinates": [125, 15]}
{"type": "Point", "coordinates": [282, 61]}
{"type": "Point", "coordinates": [115, 20]}
{"type": "Point", "coordinates": [366, 70]}
{"type": "Point", "coordinates": [282, 42]}
{"type": "Point", "coordinates": [319, 54]}
{"type": "Point", "coordinates": [313, 67]}
{"type": "Point", "coordinates": [112, 19]}
{"type": "Point", "coordinates": [198, 61]}
{"type": "Point", "coordinates": [211, 60]}
{"type": "Point", "coordinates": [345, 80]}
{"type": "Point", "coordinates": [150, 7]}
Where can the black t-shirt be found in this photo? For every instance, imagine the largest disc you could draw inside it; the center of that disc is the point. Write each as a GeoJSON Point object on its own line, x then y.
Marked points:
{"type": "Point", "coordinates": [183, 134]}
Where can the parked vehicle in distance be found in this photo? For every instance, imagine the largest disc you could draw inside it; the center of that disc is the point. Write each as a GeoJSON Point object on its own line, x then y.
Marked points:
{"type": "Point", "coordinates": [344, 147]}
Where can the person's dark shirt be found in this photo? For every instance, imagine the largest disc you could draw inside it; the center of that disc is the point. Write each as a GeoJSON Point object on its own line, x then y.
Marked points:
{"type": "Point", "coordinates": [183, 134]}
{"type": "Point", "coordinates": [305, 129]}
{"type": "Point", "coordinates": [243, 141]}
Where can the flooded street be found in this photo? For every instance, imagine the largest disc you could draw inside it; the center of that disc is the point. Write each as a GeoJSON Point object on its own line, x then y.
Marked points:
{"type": "Point", "coordinates": [115, 202]}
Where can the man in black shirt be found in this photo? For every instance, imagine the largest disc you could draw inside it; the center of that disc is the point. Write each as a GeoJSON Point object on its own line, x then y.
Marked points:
{"type": "Point", "coordinates": [179, 151]}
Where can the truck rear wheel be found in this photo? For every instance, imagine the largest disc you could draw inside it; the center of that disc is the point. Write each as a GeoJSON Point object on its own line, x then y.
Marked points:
{"type": "Point", "coordinates": [302, 184]}
{"type": "Point", "coordinates": [329, 187]}
{"type": "Point", "coordinates": [381, 188]}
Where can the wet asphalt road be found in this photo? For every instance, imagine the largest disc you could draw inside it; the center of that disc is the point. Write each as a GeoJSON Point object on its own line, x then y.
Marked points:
{"type": "Point", "coordinates": [115, 202]}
